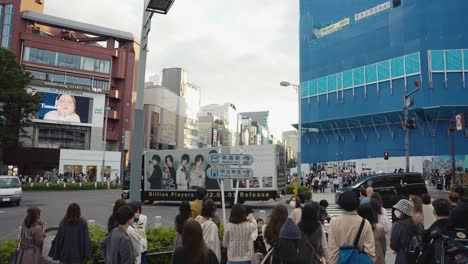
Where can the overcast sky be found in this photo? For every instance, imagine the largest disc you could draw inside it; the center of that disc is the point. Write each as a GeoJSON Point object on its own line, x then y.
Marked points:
{"type": "Point", "coordinates": [236, 51]}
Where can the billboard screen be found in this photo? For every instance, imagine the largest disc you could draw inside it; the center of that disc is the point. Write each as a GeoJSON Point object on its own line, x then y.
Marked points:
{"type": "Point", "coordinates": [64, 108]}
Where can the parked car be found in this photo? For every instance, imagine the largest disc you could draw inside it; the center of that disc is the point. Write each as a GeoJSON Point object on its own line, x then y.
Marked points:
{"type": "Point", "coordinates": [389, 185]}
{"type": "Point", "coordinates": [10, 190]}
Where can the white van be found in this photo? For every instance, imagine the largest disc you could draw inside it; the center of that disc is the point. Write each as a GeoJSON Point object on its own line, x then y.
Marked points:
{"type": "Point", "coordinates": [10, 190]}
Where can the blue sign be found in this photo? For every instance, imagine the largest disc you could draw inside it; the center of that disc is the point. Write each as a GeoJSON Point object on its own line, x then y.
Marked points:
{"type": "Point", "coordinates": [230, 159]}
{"type": "Point", "coordinates": [229, 173]}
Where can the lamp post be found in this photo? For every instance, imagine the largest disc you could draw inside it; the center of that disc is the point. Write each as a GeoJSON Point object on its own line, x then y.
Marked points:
{"type": "Point", "coordinates": [104, 141]}
{"type": "Point", "coordinates": [299, 130]}
{"type": "Point", "coordinates": [150, 7]}
{"type": "Point", "coordinates": [407, 102]}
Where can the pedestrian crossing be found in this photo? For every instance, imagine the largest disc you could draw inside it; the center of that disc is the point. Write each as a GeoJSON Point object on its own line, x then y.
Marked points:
{"type": "Point", "coordinates": [334, 210]}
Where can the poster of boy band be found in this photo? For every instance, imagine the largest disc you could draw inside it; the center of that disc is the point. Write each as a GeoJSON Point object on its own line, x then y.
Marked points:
{"type": "Point", "coordinates": [184, 170]}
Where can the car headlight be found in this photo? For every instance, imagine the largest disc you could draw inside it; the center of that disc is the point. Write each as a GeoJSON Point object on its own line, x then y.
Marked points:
{"type": "Point", "coordinates": [17, 192]}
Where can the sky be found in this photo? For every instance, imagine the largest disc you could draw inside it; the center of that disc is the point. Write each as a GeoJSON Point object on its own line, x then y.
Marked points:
{"type": "Point", "coordinates": [236, 51]}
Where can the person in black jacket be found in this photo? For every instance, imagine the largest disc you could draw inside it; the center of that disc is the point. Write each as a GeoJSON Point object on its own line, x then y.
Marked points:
{"type": "Point", "coordinates": [71, 243]}
{"type": "Point", "coordinates": [194, 249]}
{"type": "Point", "coordinates": [156, 177]}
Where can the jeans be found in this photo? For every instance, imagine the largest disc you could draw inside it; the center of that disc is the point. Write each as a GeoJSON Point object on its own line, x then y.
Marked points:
{"type": "Point", "coordinates": [144, 257]}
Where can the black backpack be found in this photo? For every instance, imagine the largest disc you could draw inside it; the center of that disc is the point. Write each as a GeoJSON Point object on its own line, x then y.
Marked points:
{"type": "Point", "coordinates": [415, 249]}
{"type": "Point", "coordinates": [448, 248]}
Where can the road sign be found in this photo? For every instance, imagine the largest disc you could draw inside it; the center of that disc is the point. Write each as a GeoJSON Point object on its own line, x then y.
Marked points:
{"type": "Point", "coordinates": [229, 173]}
{"type": "Point", "coordinates": [230, 159]}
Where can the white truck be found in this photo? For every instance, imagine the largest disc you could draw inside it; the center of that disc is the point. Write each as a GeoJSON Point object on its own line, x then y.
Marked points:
{"type": "Point", "coordinates": [173, 175]}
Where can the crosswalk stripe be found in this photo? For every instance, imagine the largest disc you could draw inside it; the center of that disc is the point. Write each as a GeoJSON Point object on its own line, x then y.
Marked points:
{"type": "Point", "coordinates": [334, 210]}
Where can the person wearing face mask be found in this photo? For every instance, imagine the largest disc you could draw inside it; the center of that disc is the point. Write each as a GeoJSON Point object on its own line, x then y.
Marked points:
{"type": "Point", "coordinates": [403, 231]}
{"type": "Point", "coordinates": [297, 212]}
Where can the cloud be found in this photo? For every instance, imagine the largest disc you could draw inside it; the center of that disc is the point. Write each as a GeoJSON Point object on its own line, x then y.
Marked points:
{"type": "Point", "coordinates": [236, 51]}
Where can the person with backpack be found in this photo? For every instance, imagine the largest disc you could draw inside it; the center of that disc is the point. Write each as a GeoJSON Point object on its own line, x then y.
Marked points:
{"type": "Point", "coordinates": [209, 228]}
{"type": "Point", "coordinates": [367, 212]}
{"type": "Point", "coordinates": [313, 243]}
{"type": "Point", "coordinates": [441, 225]}
{"type": "Point", "coordinates": [349, 233]}
{"type": "Point", "coordinates": [406, 238]}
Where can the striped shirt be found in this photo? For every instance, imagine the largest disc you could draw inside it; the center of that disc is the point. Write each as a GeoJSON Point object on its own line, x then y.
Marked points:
{"type": "Point", "coordinates": [238, 241]}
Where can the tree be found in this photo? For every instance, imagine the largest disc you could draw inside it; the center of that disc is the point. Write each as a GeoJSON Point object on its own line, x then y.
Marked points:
{"type": "Point", "coordinates": [291, 163]}
{"type": "Point", "coordinates": [17, 105]}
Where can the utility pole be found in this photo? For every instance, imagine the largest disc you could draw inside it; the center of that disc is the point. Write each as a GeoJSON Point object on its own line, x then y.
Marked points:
{"type": "Point", "coordinates": [407, 102]}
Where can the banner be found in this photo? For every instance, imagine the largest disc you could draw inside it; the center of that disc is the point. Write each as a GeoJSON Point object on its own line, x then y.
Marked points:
{"type": "Point", "coordinates": [372, 11]}
{"type": "Point", "coordinates": [64, 108]}
{"type": "Point", "coordinates": [331, 28]}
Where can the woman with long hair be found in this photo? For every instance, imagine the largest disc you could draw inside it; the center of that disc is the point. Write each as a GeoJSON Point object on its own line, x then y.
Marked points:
{"type": "Point", "coordinates": [418, 215]}
{"type": "Point", "coordinates": [71, 243]}
{"type": "Point", "coordinates": [313, 243]}
{"type": "Point", "coordinates": [403, 230]}
{"type": "Point", "coordinates": [185, 212]}
{"type": "Point", "coordinates": [377, 204]}
{"type": "Point", "coordinates": [367, 212]}
{"type": "Point", "coordinates": [112, 222]}
{"type": "Point", "coordinates": [193, 249]}
{"type": "Point", "coordinates": [272, 229]}
{"type": "Point", "coordinates": [295, 203]}
{"type": "Point", "coordinates": [32, 238]}
{"type": "Point", "coordinates": [238, 236]}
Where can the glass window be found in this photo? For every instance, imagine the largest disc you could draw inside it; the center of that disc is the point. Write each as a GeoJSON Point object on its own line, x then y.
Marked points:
{"type": "Point", "coordinates": [1, 19]}
{"type": "Point", "coordinates": [437, 60]}
{"type": "Point", "coordinates": [453, 60]}
{"type": "Point", "coordinates": [412, 63]}
{"type": "Point", "coordinates": [371, 73]}
{"type": "Point", "coordinates": [465, 59]}
{"type": "Point", "coordinates": [348, 79]}
{"type": "Point", "coordinates": [358, 75]}
{"type": "Point", "coordinates": [397, 67]}
{"type": "Point", "coordinates": [67, 60]}
{"type": "Point", "coordinates": [313, 87]}
{"type": "Point", "coordinates": [304, 89]}
{"type": "Point", "coordinates": [331, 83]}
{"type": "Point", "coordinates": [383, 70]}
{"type": "Point", "coordinates": [39, 75]}
{"type": "Point", "coordinates": [7, 25]}
{"type": "Point", "coordinates": [339, 80]}
{"type": "Point", "coordinates": [322, 85]}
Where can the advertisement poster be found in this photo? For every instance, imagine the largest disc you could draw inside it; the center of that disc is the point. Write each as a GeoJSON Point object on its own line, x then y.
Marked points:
{"type": "Point", "coordinates": [184, 170]}
{"type": "Point", "coordinates": [64, 108]}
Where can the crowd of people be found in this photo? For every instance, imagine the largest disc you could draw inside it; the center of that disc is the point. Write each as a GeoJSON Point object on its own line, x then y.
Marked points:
{"type": "Point", "coordinates": [423, 231]}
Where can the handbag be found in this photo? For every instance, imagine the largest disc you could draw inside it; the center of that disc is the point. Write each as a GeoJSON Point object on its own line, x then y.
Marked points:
{"type": "Point", "coordinates": [14, 256]}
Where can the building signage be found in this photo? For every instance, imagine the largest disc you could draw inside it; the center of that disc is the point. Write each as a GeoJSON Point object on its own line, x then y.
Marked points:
{"type": "Point", "coordinates": [66, 86]}
{"type": "Point", "coordinates": [331, 28]}
{"type": "Point", "coordinates": [230, 159]}
{"type": "Point", "coordinates": [372, 11]}
{"type": "Point", "coordinates": [460, 121]}
{"type": "Point", "coordinates": [229, 173]}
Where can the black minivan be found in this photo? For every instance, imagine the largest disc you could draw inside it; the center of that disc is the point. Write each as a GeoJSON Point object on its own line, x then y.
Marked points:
{"type": "Point", "coordinates": [389, 185]}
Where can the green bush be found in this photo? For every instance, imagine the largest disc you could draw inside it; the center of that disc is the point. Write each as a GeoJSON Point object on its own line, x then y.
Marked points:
{"type": "Point", "coordinates": [40, 186]}
{"type": "Point", "coordinates": [307, 195]}
{"type": "Point", "coordinates": [160, 240]}
{"type": "Point", "coordinates": [303, 189]}
{"type": "Point", "coordinates": [6, 249]}
{"type": "Point", "coordinates": [289, 189]}
{"type": "Point", "coordinates": [96, 235]}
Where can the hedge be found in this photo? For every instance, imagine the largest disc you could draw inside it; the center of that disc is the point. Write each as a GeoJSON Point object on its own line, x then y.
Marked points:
{"type": "Point", "coordinates": [301, 189]}
{"type": "Point", "coordinates": [40, 186]}
{"type": "Point", "coordinates": [159, 240]}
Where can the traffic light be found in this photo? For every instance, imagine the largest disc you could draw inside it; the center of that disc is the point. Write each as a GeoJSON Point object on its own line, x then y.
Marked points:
{"type": "Point", "coordinates": [386, 155]}
{"type": "Point", "coordinates": [411, 123]}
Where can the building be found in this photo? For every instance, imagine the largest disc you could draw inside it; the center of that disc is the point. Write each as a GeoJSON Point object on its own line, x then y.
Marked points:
{"type": "Point", "coordinates": [357, 61]}
{"type": "Point", "coordinates": [171, 112]}
{"type": "Point", "coordinates": [290, 142]}
{"type": "Point", "coordinates": [161, 117]}
{"type": "Point", "coordinates": [255, 125]}
{"type": "Point", "coordinates": [220, 125]}
{"type": "Point", "coordinates": [85, 68]}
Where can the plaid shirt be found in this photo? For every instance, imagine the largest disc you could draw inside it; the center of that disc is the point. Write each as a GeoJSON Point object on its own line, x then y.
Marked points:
{"type": "Point", "coordinates": [238, 241]}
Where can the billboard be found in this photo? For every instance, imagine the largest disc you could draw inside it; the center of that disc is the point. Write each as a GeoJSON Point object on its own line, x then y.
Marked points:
{"type": "Point", "coordinates": [184, 170]}
{"type": "Point", "coordinates": [65, 108]}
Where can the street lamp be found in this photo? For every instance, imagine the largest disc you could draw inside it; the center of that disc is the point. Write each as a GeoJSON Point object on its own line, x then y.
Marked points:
{"type": "Point", "coordinates": [150, 7]}
{"type": "Point", "coordinates": [407, 102]}
{"type": "Point", "coordinates": [299, 134]}
{"type": "Point", "coordinates": [104, 141]}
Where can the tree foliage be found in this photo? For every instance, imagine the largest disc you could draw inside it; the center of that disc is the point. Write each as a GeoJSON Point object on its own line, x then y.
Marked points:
{"type": "Point", "coordinates": [18, 105]}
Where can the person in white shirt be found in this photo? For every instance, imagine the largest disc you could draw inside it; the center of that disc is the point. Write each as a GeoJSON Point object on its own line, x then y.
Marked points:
{"type": "Point", "coordinates": [135, 238]}
{"type": "Point", "coordinates": [140, 225]}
